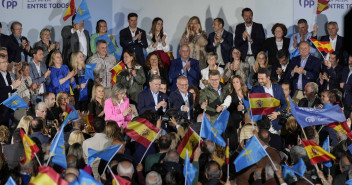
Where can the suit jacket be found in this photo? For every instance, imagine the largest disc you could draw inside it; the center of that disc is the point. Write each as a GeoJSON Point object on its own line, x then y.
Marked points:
{"type": "Point", "coordinates": [339, 48]}
{"type": "Point", "coordinates": [12, 47]}
{"type": "Point", "coordinates": [312, 67]}
{"type": "Point", "coordinates": [42, 138]}
{"type": "Point", "coordinates": [226, 45]}
{"type": "Point", "coordinates": [20, 49]}
{"type": "Point", "coordinates": [347, 88]}
{"type": "Point", "coordinates": [335, 77]}
{"type": "Point", "coordinates": [70, 43]}
{"type": "Point", "coordinates": [304, 102]}
{"type": "Point", "coordinates": [284, 76]}
{"type": "Point", "coordinates": [193, 75]}
{"type": "Point", "coordinates": [146, 101]}
{"type": "Point", "coordinates": [5, 90]}
{"type": "Point", "coordinates": [270, 46]}
{"type": "Point", "coordinates": [36, 78]}
{"type": "Point", "coordinates": [257, 35]}
{"type": "Point", "coordinates": [127, 43]}
{"type": "Point", "coordinates": [176, 101]}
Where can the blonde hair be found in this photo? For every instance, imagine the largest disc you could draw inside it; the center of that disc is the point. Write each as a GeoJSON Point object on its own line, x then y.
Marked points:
{"type": "Point", "coordinates": [51, 61]}
{"type": "Point", "coordinates": [76, 137]}
{"type": "Point", "coordinates": [73, 60]}
{"type": "Point", "coordinates": [113, 130]}
{"type": "Point", "coordinates": [44, 30]}
{"type": "Point", "coordinates": [58, 97]}
{"type": "Point", "coordinates": [116, 90]}
{"type": "Point", "coordinates": [212, 54]}
{"type": "Point", "coordinates": [94, 94]}
{"type": "Point", "coordinates": [4, 133]}
{"type": "Point", "coordinates": [266, 59]}
{"type": "Point", "coordinates": [189, 22]}
{"type": "Point", "coordinates": [25, 123]}
{"type": "Point", "coordinates": [291, 124]}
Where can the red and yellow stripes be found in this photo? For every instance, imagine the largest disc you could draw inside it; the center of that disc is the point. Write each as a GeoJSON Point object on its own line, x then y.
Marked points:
{"type": "Point", "coordinates": [322, 5]}
{"type": "Point", "coordinates": [323, 45]}
{"type": "Point", "coordinates": [142, 131]}
{"type": "Point", "coordinates": [227, 152]}
{"type": "Point", "coordinates": [316, 153]}
{"type": "Point", "coordinates": [30, 148]}
{"type": "Point", "coordinates": [71, 10]}
{"type": "Point", "coordinates": [262, 103]}
{"type": "Point", "coordinates": [47, 175]}
{"type": "Point", "coordinates": [116, 71]}
{"type": "Point", "coordinates": [341, 127]}
{"type": "Point", "coordinates": [189, 142]}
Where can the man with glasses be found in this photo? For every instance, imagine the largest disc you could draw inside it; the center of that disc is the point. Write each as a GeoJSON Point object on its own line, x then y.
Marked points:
{"type": "Point", "coordinates": [22, 43]}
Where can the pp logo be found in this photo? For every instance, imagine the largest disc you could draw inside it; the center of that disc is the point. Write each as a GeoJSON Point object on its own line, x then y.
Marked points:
{"type": "Point", "coordinates": [9, 4]}
{"type": "Point", "coordinates": [310, 119]}
{"type": "Point", "coordinates": [306, 3]}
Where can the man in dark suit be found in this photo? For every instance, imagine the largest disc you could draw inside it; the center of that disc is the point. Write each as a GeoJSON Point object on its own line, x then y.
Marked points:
{"type": "Point", "coordinates": [181, 99]}
{"type": "Point", "coordinates": [346, 85]}
{"type": "Point", "coordinates": [249, 37]}
{"type": "Point", "coordinates": [152, 98]}
{"type": "Point", "coordinates": [311, 98]}
{"type": "Point", "coordinates": [220, 41]}
{"type": "Point", "coordinates": [5, 41]}
{"type": "Point", "coordinates": [75, 38]}
{"type": "Point", "coordinates": [185, 66]}
{"type": "Point", "coordinates": [331, 74]}
{"type": "Point", "coordinates": [279, 71]}
{"type": "Point", "coordinates": [6, 88]}
{"type": "Point", "coordinates": [275, 90]}
{"type": "Point", "coordinates": [304, 68]}
{"type": "Point", "coordinates": [37, 125]}
{"type": "Point", "coordinates": [23, 46]}
{"type": "Point", "coordinates": [133, 38]}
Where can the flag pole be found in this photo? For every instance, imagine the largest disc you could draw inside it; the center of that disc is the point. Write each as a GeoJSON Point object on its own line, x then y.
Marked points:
{"type": "Point", "coordinates": [307, 180]}
{"type": "Point", "coordinates": [40, 164]}
{"type": "Point", "coordinates": [149, 146]}
{"type": "Point", "coordinates": [113, 175]}
{"type": "Point", "coordinates": [186, 164]}
{"type": "Point", "coordinates": [317, 48]}
{"type": "Point", "coordinates": [305, 136]}
{"type": "Point", "coordinates": [55, 145]}
{"type": "Point", "coordinates": [272, 162]}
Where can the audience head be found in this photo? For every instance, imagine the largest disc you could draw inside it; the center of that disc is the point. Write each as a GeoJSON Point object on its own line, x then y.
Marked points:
{"type": "Point", "coordinates": [118, 93]}
{"type": "Point", "coordinates": [99, 125]}
{"type": "Point", "coordinates": [263, 76]}
{"type": "Point", "coordinates": [77, 59]}
{"type": "Point", "coordinates": [153, 61]}
{"type": "Point", "coordinates": [153, 178]}
{"type": "Point", "coordinates": [76, 150]}
{"type": "Point", "coordinates": [164, 143]}
{"type": "Point", "coordinates": [71, 161]}
{"type": "Point", "coordinates": [261, 60]}
{"type": "Point", "coordinates": [3, 59]}
{"type": "Point", "coordinates": [283, 56]}
{"type": "Point", "coordinates": [45, 34]}
{"type": "Point", "coordinates": [333, 28]}
{"type": "Point", "coordinates": [345, 164]}
{"type": "Point", "coordinates": [55, 59]}
{"type": "Point", "coordinates": [4, 134]}
{"type": "Point", "coordinates": [102, 48]}
{"type": "Point", "coordinates": [163, 86]}
{"type": "Point", "coordinates": [157, 28]}
{"type": "Point", "coordinates": [264, 135]}
{"type": "Point", "coordinates": [37, 125]}
{"type": "Point", "coordinates": [41, 110]}
{"type": "Point", "coordinates": [129, 58]}
{"type": "Point", "coordinates": [25, 123]}
{"type": "Point", "coordinates": [98, 92]}
{"type": "Point", "coordinates": [113, 130]}
{"type": "Point", "coordinates": [334, 58]}
{"type": "Point", "coordinates": [311, 90]}
{"type": "Point", "coordinates": [211, 59]}
{"type": "Point", "coordinates": [184, 52]}
{"type": "Point", "coordinates": [76, 137]}
{"type": "Point", "coordinates": [101, 27]}
{"type": "Point", "coordinates": [218, 24]}
{"type": "Point", "coordinates": [213, 170]}
{"type": "Point", "coordinates": [182, 84]}
{"type": "Point", "coordinates": [172, 156]}
{"type": "Point", "coordinates": [214, 79]}
{"type": "Point", "coordinates": [247, 15]}
{"type": "Point", "coordinates": [270, 170]}
{"type": "Point", "coordinates": [16, 29]}
{"type": "Point", "coordinates": [194, 25]}
{"type": "Point", "coordinates": [302, 27]}
{"type": "Point", "coordinates": [235, 54]}
{"type": "Point", "coordinates": [237, 84]}
{"type": "Point", "coordinates": [279, 30]}
{"type": "Point", "coordinates": [286, 88]}
{"type": "Point", "coordinates": [61, 99]}
{"type": "Point", "coordinates": [71, 174]}
{"type": "Point", "coordinates": [38, 54]}
{"type": "Point", "coordinates": [304, 49]}
{"type": "Point", "coordinates": [154, 83]}
{"type": "Point", "coordinates": [125, 168]}
{"type": "Point", "coordinates": [25, 69]}
{"type": "Point", "coordinates": [195, 91]}
{"type": "Point", "coordinates": [132, 20]}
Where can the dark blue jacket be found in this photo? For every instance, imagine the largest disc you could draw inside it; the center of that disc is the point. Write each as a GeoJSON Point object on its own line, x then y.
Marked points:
{"type": "Point", "coordinates": [127, 43]}
{"type": "Point", "coordinates": [193, 75]}
{"type": "Point", "coordinates": [226, 45]}
{"type": "Point", "coordinates": [176, 101]}
{"type": "Point", "coordinates": [146, 101]}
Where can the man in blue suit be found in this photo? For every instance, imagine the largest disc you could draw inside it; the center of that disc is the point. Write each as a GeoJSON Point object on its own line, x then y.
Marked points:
{"type": "Point", "coordinates": [304, 68]}
{"type": "Point", "coordinates": [274, 90]}
{"type": "Point", "coordinates": [181, 99]}
{"type": "Point", "coordinates": [152, 98]}
{"type": "Point", "coordinates": [185, 66]}
{"type": "Point", "coordinates": [220, 41]}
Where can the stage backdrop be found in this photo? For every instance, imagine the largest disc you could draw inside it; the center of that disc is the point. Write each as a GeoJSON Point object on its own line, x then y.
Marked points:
{"type": "Point", "coordinates": [37, 14]}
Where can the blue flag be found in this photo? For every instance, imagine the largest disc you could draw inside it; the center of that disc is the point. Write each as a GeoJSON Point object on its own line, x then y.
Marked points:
{"type": "Point", "coordinates": [326, 146]}
{"type": "Point", "coordinates": [294, 54]}
{"type": "Point", "coordinates": [82, 13]}
{"type": "Point", "coordinates": [221, 123]}
{"type": "Point", "coordinates": [107, 154]}
{"type": "Point", "coordinates": [86, 179]}
{"type": "Point", "coordinates": [251, 154]}
{"type": "Point", "coordinates": [110, 45]}
{"type": "Point", "coordinates": [349, 182]}
{"type": "Point", "coordinates": [15, 102]}
{"type": "Point", "coordinates": [189, 171]}
{"type": "Point", "coordinates": [210, 133]}
{"type": "Point", "coordinates": [10, 181]}
{"type": "Point", "coordinates": [248, 107]}
{"type": "Point", "coordinates": [299, 168]}
{"type": "Point", "coordinates": [89, 71]}
{"type": "Point", "coordinates": [306, 116]}
{"type": "Point", "coordinates": [58, 148]}
{"type": "Point", "coordinates": [70, 117]}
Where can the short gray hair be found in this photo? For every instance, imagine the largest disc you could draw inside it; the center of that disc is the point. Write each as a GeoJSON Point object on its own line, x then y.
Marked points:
{"type": "Point", "coordinates": [153, 178]}
{"type": "Point", "coordinates": [297, 152]}
{"type": "Point", "coordinates": [172, 156]}
{"type": "Point", "coordinates": [269, 170]}
{"type": "Point", "coordinates": [40, 105]}
{"type": "Point", "coordinates": [333, 23]}
{"type": "Point", "coordinates": [122, 171]}
{"type": "Point", "coordinates": [313, 87]}
{"type": "Point", "coordinates": [211, 171]}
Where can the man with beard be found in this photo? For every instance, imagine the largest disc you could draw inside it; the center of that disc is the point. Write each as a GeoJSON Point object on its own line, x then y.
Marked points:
{"type": "Point", "coordinates": [331, 74]}
{"type": "Point", "coordinates": [346, 85]}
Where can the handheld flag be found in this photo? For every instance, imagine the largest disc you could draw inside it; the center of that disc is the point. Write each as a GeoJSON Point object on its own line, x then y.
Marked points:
{"type": "Point", "coordinates": [248, 107]}
{"type": "Point", "coordinates": [341, 127]}
{"type": "Point", "coordinates": [70, 117]}
{"type": "Point", "coordinates": [262, 103]}
{"type": "Point", "coordinates": [189, 171]}
{"type": "Point", "coordinates": [227, 152]}
{"type": "Point", "coordinates": [30, 148]}
{"type": "Point", "coordinates": [10, 181]}
{"type": "Point", "coordinates": [116, 71]}
{"type": "Point", "coordinates": [58, 149]}
{"type": "Point", "coordinates": [189, 143]}
{"type": "Point", "coordinates": [82, 13]}
{"type": "Point", "coordinates": [71, 10]}
{"type": "Point", "coordinates": [85, 178]}
{"type": "Point", "coordinates": [326, 146]}
{"type": "Point", "coordinates": [323, 45]}
{"type": "Point", "coordinates": [47, 175]}
{"type": "Point", "coordinates": [89, 122]}
{"type": "Point", "coordinates": [142, 131]}
{"type": "Point", "coordinates": [294, 54]}
{"type": "Point", "coordinates": [15, 102]}
{"type": "Point", "coordinates": [89, 71]}
{"type": "Point", "coordinates": [349, 182]}
{"type": "Point", "coordinates": [310, 116]}
{"type": "Point", "coordinates": [121, 181]}
{"type": "Point", "coordinates": [107, 154]}
{"type": "Point", "coordinates": [322, 6]}
{"type": "Point", "coordinates": [315, 153]}
{"type": "Point", "coordinates": [110, 45]}
{"type": "Point", "coordinates": [299, 169]}
{"type": "Point", "coordinates": [210, 133]}
{"type": "Point", "coordinates": [221, 123]}
{"type": "Point", "coordinates": [251, 154]}
{"type": "Point", "coordinates": [71, 91]}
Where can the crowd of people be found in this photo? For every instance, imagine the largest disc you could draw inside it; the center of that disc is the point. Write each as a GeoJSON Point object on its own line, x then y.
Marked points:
{"type": "Point", "coordinates": [215, 72]}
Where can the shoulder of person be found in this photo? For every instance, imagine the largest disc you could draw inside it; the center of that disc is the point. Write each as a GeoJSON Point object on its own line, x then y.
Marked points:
{"type": "Point", "coordinates": [138, 66]}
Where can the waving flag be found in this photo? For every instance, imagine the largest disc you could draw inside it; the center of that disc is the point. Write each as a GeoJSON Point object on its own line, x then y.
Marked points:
{"type": "Point", "coordinates": [349, 182]}
{"type": "Point", "coordinates": [116, 71]}
{"type": "Point", "coordinates": [107, 154]}
{"type": "Point", "coordinates": [248, 107]}
{"type": "Point", "coordinates": [47, 175]}
{"type": "Point", "coordinates": [262, 103]}
{"type": "Point", "coordinates": [86, 179]}
{"type": "Point", "coordinates": [210, 133]}
{"type": "Point", "coordinates": [58, 149]}
{"type": "Point", "coordinates": [70, 117]}
{"type": "Point", "coordinates": [315, 153]}
{"type": "Point", "coordinates": [110, 45]}
{"type": "Point", "coordinates": [189, 143]}
{"type": "Point", "coordinates": [121, 181]}
{"type": "Point", "coordinates": [82, 13]}
{"type": "Point", "coordinates": [30, 148]}
{"type": "Point", "coordinates": [294, 54]}
{"type": "Point", "coordinates": [89, 122]}
{"type": "Point", "coordinates": [71, 10]}
{"type": "Point", "coordinates": [10, 181]}
{"type": "Point", "coordinates": [306, 116]}
{"type": "Point", "coordinates": [299, 169]}
{"type": "Point", "coordinates": [142, 131]}
{"type": "Point", "coordinates": [322, 6]}
{"type": "Point", "coordinates": [326, 146]}
{"type": "Point", "coordinates": [15, 102]}
{"type": "Point", "coordinates": [189, 171]}
{"type": "Point", "coordinates": [341, 127]}
{"type": "Point", "coordinates": [89, 71]}
{"type": "Point", "coordinates": [221, 123]}
{"type": "Point", "coordinates": [251, 154]}
{"type": "Point", "coordinates": [227, 152]}
{"type": "Point", "coordinates": [323, 45]}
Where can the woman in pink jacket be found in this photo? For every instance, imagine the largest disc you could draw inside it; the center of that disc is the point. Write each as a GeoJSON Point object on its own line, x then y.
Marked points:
{"type": "Point", "coordinates": [117, 107]}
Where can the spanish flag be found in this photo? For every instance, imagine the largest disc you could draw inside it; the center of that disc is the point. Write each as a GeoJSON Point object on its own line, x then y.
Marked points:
{"type": "Point", "coordinates": [262, 103]}
{"type": "Point", "coordinates": [89, 122]}
{"type": "Point", "coordinates": [189, 142]}
{"type": "Point", "coordinates": [316, 153]}
{"type": "Point", "coordinates": [142, 131]}
{"type": "Point", "coordinates": [227, 152]}
{"type": "Point", "coordinates": [323, 45]}
{"type": "Point", "coordinates": [121, 181]}
{"type": "Point", "coordinates": [47, 175]}
{"type": "Point", "coordinates": [30, 148]}
{"type": "Point", "coordinates": [116, 71]}
{"type": "Point", "coordinates": [71, 10]}
{"type": "Point", "coordinates": [322, 5]}
{"type": "Point", "coordinates": [341, 127]}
